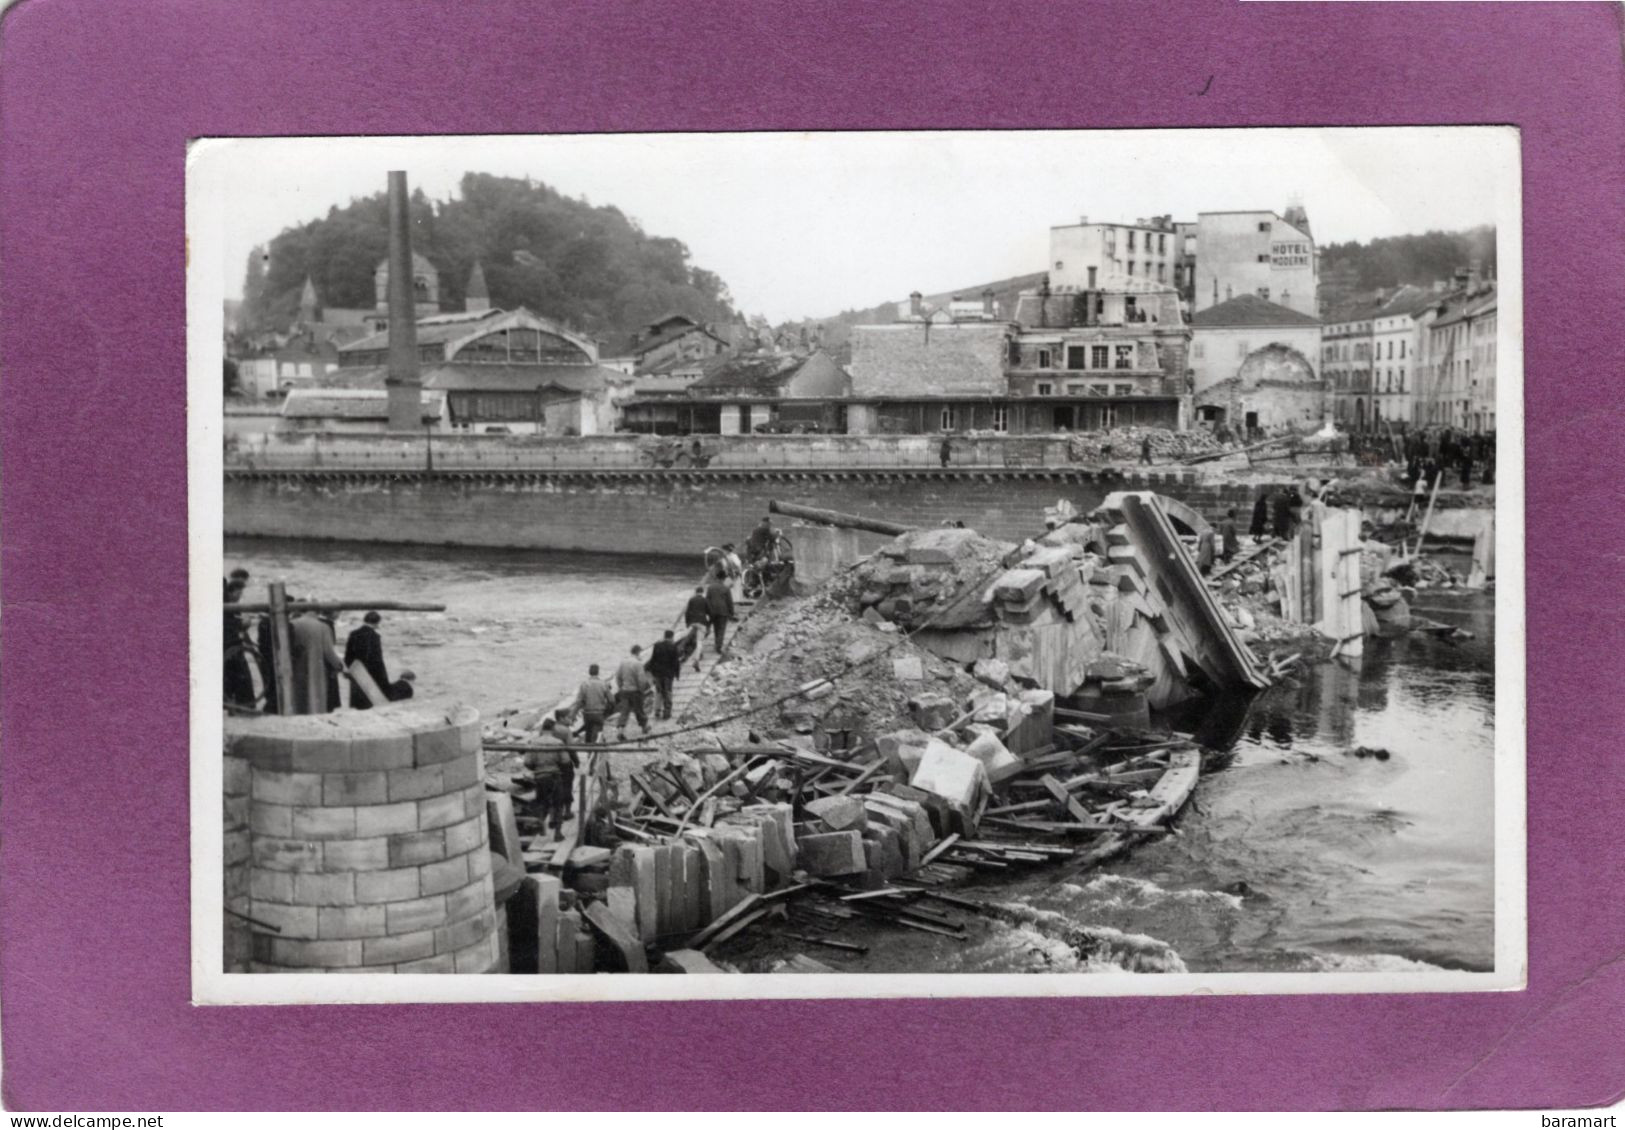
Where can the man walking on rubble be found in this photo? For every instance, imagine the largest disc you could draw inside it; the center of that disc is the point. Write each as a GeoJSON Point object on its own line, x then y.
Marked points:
{"type": "Point", "coordinates": [1229, 542]}
{"type": "Point", "coordinates": [696, 619]}
{"type": "Point", "coordinates": [1204, 551]}
{"type": "Point", "coordinates": [593, 701]}
{"type": "Point", "coordinates": [631, 684]}
{"type": "Point", "coordinates": [664, 666]}
{"type": "Point", "coordinates": [719, 606]}
{"type": "Point", "coordinates": [1145, 449]}
{"type": "Point", "coordinates": [553, 771]}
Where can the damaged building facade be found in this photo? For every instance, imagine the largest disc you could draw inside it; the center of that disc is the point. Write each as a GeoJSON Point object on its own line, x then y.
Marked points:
{"type": "Point", "coordinates": [1063, 360]}
{"type": "Point", "coordinates": [1255, 367]}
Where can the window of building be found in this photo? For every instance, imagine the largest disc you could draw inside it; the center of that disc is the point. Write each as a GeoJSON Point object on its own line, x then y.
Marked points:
{"type": "Point", "coordinates": [1125, 357]}
{"type": "Point", "coordinates": [1123, 390]}
{"type": "Point", "coordinates": [1043, 358]}
{"type": "Point", "coordinates": [1074, 357]}
{"type": "Point", "coordinates": [1263, 258]}
{"type": "Point", "coordinates": [1264, 226]}
{"type": "Point", "coordinates": [1074, 389]}
{"type": "Point", "coordinates": [1091, 278]}
{"type": "Point", "coordinates": [1196, 350]}
{"type": "Point", "coordinates": [1162, 272]}
{"type": "Point", "coordinates": [1099, 357]}
{"type": "Point", "coordinates": [948, 415]}
{"type": "Point", "coordinates": [1045, 388]}
{"type": "Point", "coordinates": [1162, 245]}
{"type": "Point", "coordinates": [1131, 239]}
{"type": "Point", "coordinates": [1131, 267]}
{"type": "Point", "coordinates": [1100, 390]}
{"type": "Point", "coordinates": [1264, 293]}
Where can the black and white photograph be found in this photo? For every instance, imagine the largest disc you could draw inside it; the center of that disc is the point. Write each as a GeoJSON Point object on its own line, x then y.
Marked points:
{"type": "Point", "coordinates": [856, 564]}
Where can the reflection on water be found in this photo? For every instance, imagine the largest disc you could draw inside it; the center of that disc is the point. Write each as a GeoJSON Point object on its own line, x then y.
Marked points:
{"type": "Point", "coordinates": [1295, 854]}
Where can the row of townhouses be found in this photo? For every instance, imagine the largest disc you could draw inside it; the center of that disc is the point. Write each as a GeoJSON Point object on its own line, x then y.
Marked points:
{"type": "Point", "coordinates": [1156, 323]}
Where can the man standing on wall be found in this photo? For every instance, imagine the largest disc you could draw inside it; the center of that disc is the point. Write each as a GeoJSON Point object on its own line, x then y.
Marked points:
{"type": "Point", "coordinates": [316, 663]}
{"type": "Point", "coordinates": [631, 684]}
{"type": "Point", "coordinates": [664, 666]}
{"type": "Point", "coordinates": [946, 449]}
{"type": "Point", "coordinates": [593, 700]}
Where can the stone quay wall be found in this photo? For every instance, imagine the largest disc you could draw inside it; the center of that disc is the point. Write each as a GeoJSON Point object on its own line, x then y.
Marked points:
{"type": "Point", "coordinates": [668, 512]}
{"type": "Point", "coordinates": [356, 842]}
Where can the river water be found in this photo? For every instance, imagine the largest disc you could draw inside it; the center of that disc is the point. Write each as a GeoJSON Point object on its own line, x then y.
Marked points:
{"type": "Point", "coordinates": [1297, 855]}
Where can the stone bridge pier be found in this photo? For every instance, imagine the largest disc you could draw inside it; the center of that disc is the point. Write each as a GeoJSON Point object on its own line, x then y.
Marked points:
{"type": "Point", "coordinates": [356, 842]}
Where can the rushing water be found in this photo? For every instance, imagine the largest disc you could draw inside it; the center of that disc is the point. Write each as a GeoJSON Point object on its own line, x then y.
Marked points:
{"type": "Point", "coordinates": [1296, 855]}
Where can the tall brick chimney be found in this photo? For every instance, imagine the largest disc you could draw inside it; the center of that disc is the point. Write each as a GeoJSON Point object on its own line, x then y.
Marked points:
{"type": "Point", "coordinates": [403, 383]}
{"type": "Point", "coordinates": [915, 304]}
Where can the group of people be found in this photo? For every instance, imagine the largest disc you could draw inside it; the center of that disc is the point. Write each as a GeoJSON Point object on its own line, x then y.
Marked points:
{"type": "Point", "coordinates": [313, 654]}
{"type": "Point", "coordinates": [1438, 451]}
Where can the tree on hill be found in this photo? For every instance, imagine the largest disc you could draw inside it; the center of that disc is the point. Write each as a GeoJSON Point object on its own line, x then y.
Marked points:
{"type": "Point", "coordinates": [1419, 260]}
{"type": "Point", "coordinates": [593, 267]}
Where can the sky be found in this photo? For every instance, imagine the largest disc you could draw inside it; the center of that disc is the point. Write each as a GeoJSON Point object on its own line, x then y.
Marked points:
{"type": "Point", "coordinates": [809, 224]}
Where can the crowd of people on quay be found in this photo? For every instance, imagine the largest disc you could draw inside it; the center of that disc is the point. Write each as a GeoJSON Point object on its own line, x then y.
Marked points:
{"type": "Point", "coordinates": [319, 670]}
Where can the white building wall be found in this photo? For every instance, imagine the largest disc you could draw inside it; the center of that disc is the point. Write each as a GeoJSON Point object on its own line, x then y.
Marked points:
{"type": "Point", "coordinates": [1254, 253]}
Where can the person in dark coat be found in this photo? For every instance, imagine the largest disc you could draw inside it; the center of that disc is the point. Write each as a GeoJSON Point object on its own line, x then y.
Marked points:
{"type": "Point", "coordinates": [945, 450]}
{"type": "Point", "coordinates": [664, 666]}
{"type": "Point", "coordinates": [719, 605]}
{"type": "Point", "coordinates": [1281, 514]}
{"type": "Point", "coordinates": [553, 771]}
{"type": "Point", "coordinates": [262, 641]}
{"type": "Point", "coordinates": [1145, 449]}
{"type": "Point", "coordinates": [696, 618]}
{"type": "Point", "coordinates": [1261, 516]}
{"type": "Point", "coordinates": [1229, 542]}
{"type": "Point", "coordinates": [1204, 552]}
{"type": "Point", "coordinates": [366, 647]}
{"type": "Point", "coordinates": [335, 698]}
{"type": "Point", "coordinates": [239, 681]}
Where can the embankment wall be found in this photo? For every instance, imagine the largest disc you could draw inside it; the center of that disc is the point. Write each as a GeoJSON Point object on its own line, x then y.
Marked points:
{"type": "Point", "coordinates": [663, 512]}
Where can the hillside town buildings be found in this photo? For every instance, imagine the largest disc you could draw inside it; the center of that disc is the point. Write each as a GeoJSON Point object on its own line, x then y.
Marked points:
{"type": "Point", "coordinates": [1459, 366]}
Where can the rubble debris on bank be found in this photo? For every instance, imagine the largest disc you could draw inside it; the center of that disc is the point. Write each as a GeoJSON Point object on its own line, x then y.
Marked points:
{"type": "Point", "coordinates": [1126, 444]}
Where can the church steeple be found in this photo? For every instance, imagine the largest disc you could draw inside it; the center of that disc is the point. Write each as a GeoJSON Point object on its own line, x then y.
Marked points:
{"type": "Point", "coordinates": [476, 297]}
{"type": "Point", "coordinates": [307, 302]}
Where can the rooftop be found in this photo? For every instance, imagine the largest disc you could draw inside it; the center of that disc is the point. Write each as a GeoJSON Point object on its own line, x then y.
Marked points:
{"type": "Point", "coordinates": [1250, 310]}
{"type": "Point", "coordinates": [351, 404]}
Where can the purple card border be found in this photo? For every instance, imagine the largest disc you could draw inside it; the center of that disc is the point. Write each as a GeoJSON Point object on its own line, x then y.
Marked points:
{"type": "Point", "coordinates": [97, 100]}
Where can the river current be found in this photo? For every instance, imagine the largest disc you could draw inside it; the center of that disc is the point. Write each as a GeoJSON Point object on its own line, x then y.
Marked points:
{"type": "Point", "coordinates": [1298, 854]}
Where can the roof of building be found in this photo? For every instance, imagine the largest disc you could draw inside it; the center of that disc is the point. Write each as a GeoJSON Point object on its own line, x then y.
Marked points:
{"type": "Point", "coordinates": [433, 330]}
{"type": "Point", "coordinates": [351, 404]}
{"type": "Point", "coordinates": [453, 377]}
{"type": "Point", "coordinates": [666, 336]}
{"type": "Point", "coordinates": [420, 262]}
{"type": "Point", "coordinates": [1460, 305]}
{"type": "Point", "coordinates": [1250, 310]}
{"type": "Point", "coordinates": [762, 372]}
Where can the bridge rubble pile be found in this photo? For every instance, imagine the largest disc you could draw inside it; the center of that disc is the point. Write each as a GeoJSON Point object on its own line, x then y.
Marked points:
{"type": "Point", "coordinates": [951, 707]}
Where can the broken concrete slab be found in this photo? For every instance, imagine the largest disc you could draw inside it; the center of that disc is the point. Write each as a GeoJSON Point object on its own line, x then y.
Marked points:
{"type": "Point", "coordinates": [956, 777]}
{"type": "Point", "coordinates": [999, 763]}
{"type": "Point", "coordinates": [687, 961]}
{"type": "Point", "coordinates": [932, 711]}
{"type": "Point", "coordinates": [908, 669]}
{"type": "Point", "coordinates": [994, 672]}
{"type": "Point", "coordinates": [883, 851]}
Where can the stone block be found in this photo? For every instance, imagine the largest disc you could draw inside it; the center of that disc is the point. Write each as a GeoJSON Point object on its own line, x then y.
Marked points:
{"type": "Point", "coordinates": [646, 892]}
{"type": "Point", "coordinates": [586, 952]}
{"type": "Point", "coordinates": [292, 921]}
{"type": "Point", "coordinates": [327, 754]}
{"type": "Point", "coordinates": [993, 672]}
{"type": "Point", "coordinates": [386, 819]}
{"type": "Point", "coordinates": [437, 812]}
{"type": "Point", "coordinates": [778, 836]}
{"type": "Point", "coordinates": [544, 893]}
{"type": "Point", "coordinates": [716, 888]}
{"type": "Point", "coordinates": [883, 851]}
{"type": "Point", "coordinates": [462, 773]}
{"type": "Point", "coordinates": [586, 858]}
{"type": "Point", "coordinates": [465, 835]}
{"type": "Point", "coordinates": [393, 948]}
{"type": "Point", "coordinates": [416, 784]}
{"type": "Point", "coordinates": [439, 963]}
{"type": "Point", "coordinates": [997, 761]}
{"type": "Point", "coordinates": [350, 922]}
{"type": "Point", "coordinates": [437, 746]}
{"type": "Point", "coordinates": [460, 935]}
{"type": "Point", "coordinates": [932, 711]}
{"type": "Point", "coordinates": [323, 823]}
{"type": "Point", "coordinates": [447, 875]}
{"type": "Point", "coordinates": [355, 788]}
{"type": "Point", "coordinates": [286, 788]}
{"type": "Point", "coordinates": [839, 813]}
{"type": "Point", "coordinates": [569, 925]}
{"type": "Point", "coordinates": [465, 902]}
{"type": "Point", "coordinates": [504, 829]}
{"type": "Point", "coordinates": [298, 953]}
{"type": "Point", "coordinates": [908, 669]}
{"type": "Point", "coordinates": [396, 884]}
{"type": "Point", "coordinates": [481, 957]}
{"type": "Point", "coordinates": [277, 886]}
{"type": "Point", "coordinates": [355, 855]}
{"type": "Point", "coordinates": [956, 777]}
{"type": "Point", "coordinates": [276, 854]}
{"type": "Point", "coordinates": [481, 863]}
{"type": "Point", "coordinates": [380, 753]}
{"type": "Point", "coordinates": [412, 848]}
{"type": "Point", "coordinates": [270, 819]}
{"type": "Point", "coordinates": [337, 889]}
{"type": "Point", "coordinates": [1030, 723]}
{"type": "Point", "coordinates": [687, 961]}
{"type": "Point", "coordinates": [831, 854]}
{"type": "Point", "coordinates": [415, 914]}
{"type": "Point", "coordinates": [237, 776]}
{"type": "Point", "coordinates": [664, 902]}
